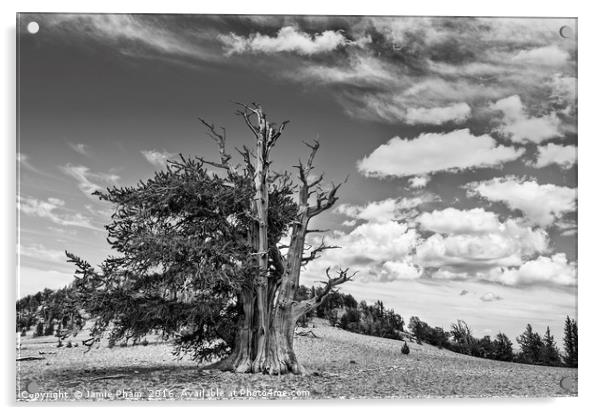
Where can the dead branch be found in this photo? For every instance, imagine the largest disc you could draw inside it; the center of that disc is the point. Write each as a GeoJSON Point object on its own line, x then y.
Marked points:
{"type": "Point", "coordinates": [220, 139]}
{"type": "Point", "coordinates": [265, 132]}
{"type": "Point", "coordinates": [306, 306]}
{"type": "Point", "coordinates": [247, 157]}
{"type": "Point", "coordinates": [314, 253]}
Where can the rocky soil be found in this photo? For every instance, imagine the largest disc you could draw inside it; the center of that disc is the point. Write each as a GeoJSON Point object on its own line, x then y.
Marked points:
{"type": "Point", "coordinates": [338, 364]}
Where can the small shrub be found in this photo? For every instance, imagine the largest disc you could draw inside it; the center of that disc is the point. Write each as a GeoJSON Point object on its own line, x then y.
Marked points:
{"type": "Point", "coordinates": [405, 349]}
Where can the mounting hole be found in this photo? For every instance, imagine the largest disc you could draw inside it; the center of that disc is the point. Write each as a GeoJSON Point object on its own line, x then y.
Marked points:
{"type": "Point", "coordinates": [33, 27]}
{"type": "Point", "coordinates": [567, 32]}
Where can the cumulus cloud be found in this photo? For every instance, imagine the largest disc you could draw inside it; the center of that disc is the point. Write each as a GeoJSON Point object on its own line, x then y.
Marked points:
{"type": "Point", "coordinates": [289, 39]}
{"type": "Point", "coordinates": [87, 180]}
{"type": "Point", "coordinates": [520, 127]}
{"type": "Point", "coordinates": [541, 204]}
{"type": "Point", "coordinates": [471, 245]}
{"type": "Point", "coordinates": [564, 156]}
{"type": "Point", "coordinates": [468, 244]}
{"type": "Point", "coordinates": [455, 221]}
{"type": "Point", "coordinates": [379, 251]}
{"type": "Point", "coordinates": [157, 158]}
{"type": "Point", "coordinates": [554, 270]}
{"type": "Point", "coordinates": [385, 210]}
{"type": "Point", "coordinates": [455, 113]}
{"type": "Point", "coordinates": [54, 210]}
{"type": "Point", "coordinates": [418, 182]}
{"type": "Point", "coordinates": [432, 152]}
{"type": "Point", "coordinates": [488, 297]}
{"type": "Point", "coordinates": [474, 253]}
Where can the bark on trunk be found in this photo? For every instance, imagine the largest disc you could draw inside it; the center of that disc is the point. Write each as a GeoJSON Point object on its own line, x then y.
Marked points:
{"type": "Point", "coordinates": [264, 342]}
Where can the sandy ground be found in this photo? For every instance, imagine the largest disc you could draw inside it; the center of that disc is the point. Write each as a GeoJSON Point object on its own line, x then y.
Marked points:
{"type": "Point", "coordinates": [339, 364]}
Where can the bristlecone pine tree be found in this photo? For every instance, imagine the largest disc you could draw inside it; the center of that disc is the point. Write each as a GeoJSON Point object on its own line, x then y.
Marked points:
{"type": "Point", "coordinates": [201, 257]}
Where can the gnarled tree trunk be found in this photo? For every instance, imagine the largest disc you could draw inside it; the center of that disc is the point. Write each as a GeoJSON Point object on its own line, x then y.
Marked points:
{"type": "Point", "coordinates": [264, 342]}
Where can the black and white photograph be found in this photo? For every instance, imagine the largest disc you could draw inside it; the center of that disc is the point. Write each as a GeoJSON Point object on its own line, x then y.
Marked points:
{"type": "Point", "coordinates": [295, 207]}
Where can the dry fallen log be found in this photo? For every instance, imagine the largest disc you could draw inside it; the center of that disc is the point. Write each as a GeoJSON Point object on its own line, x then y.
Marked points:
{"type": "Point", "coordinates": [26, 358]}
{"type": "Point", "coordinates": [308, 333]}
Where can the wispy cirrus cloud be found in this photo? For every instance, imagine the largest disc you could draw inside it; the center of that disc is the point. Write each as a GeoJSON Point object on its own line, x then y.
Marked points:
{"type": "Point", "coordinates": [435, 63]}
{"type": "Point", "coordinates": [87, 181]}
{"type": "Point", "coordinates": [54, 210]}
{"type": "Point", "coordinates": [80, 148]}
{"type": "Point", "coordinates": [137, 35]}
{"type": "Point", "coordinates": [24, 161]}
{"type": "Point", "coordinates": [40, 252]}
{"type": "Point", "coordinates": [455, 113]}
{"type": "Point", "coordinates": [551, 55]}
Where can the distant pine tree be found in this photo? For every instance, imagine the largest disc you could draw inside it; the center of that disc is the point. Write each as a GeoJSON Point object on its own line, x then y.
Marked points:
{"type": "Point", "coordinates": [531, 346]}
{"type": "Point", "coordinates": [417, 328]}
{"type": "Point", "coordinates": [570, 342]}
{"type": "Point", "coordinates": [502, 348]}
{"type": "Point", "coordinates": [550, 354]}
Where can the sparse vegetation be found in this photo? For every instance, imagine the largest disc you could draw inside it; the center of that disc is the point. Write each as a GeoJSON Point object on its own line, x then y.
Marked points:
{"type": "Point", "coordinates": [345, 312]}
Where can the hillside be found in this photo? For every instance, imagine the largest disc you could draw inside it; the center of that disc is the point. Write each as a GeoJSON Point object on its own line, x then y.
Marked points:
{"type": "Point", "coordinates": [339, 364]}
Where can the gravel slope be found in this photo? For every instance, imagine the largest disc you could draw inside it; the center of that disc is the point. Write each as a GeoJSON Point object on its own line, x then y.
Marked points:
{"type": "Point", "coordinates": [339, 364]}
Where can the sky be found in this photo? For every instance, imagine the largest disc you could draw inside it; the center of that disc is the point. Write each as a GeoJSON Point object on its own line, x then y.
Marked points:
{"type": "Point", "coordinates": [457, 136]}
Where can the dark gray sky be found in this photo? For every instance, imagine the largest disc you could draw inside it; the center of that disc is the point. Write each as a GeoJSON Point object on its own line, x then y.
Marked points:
{"type": "Point", "coordinates": [458, 135]}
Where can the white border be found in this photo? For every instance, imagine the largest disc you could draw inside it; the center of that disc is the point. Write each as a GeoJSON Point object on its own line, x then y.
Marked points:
{"type": "Point", "coordinates": [590, 190]}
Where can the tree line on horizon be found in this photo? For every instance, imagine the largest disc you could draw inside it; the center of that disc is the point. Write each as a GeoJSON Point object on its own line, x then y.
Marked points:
{"type": "Point", "coordinates": [343, 310]}
{"type": "Point", "coordinates": [56, 313]}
